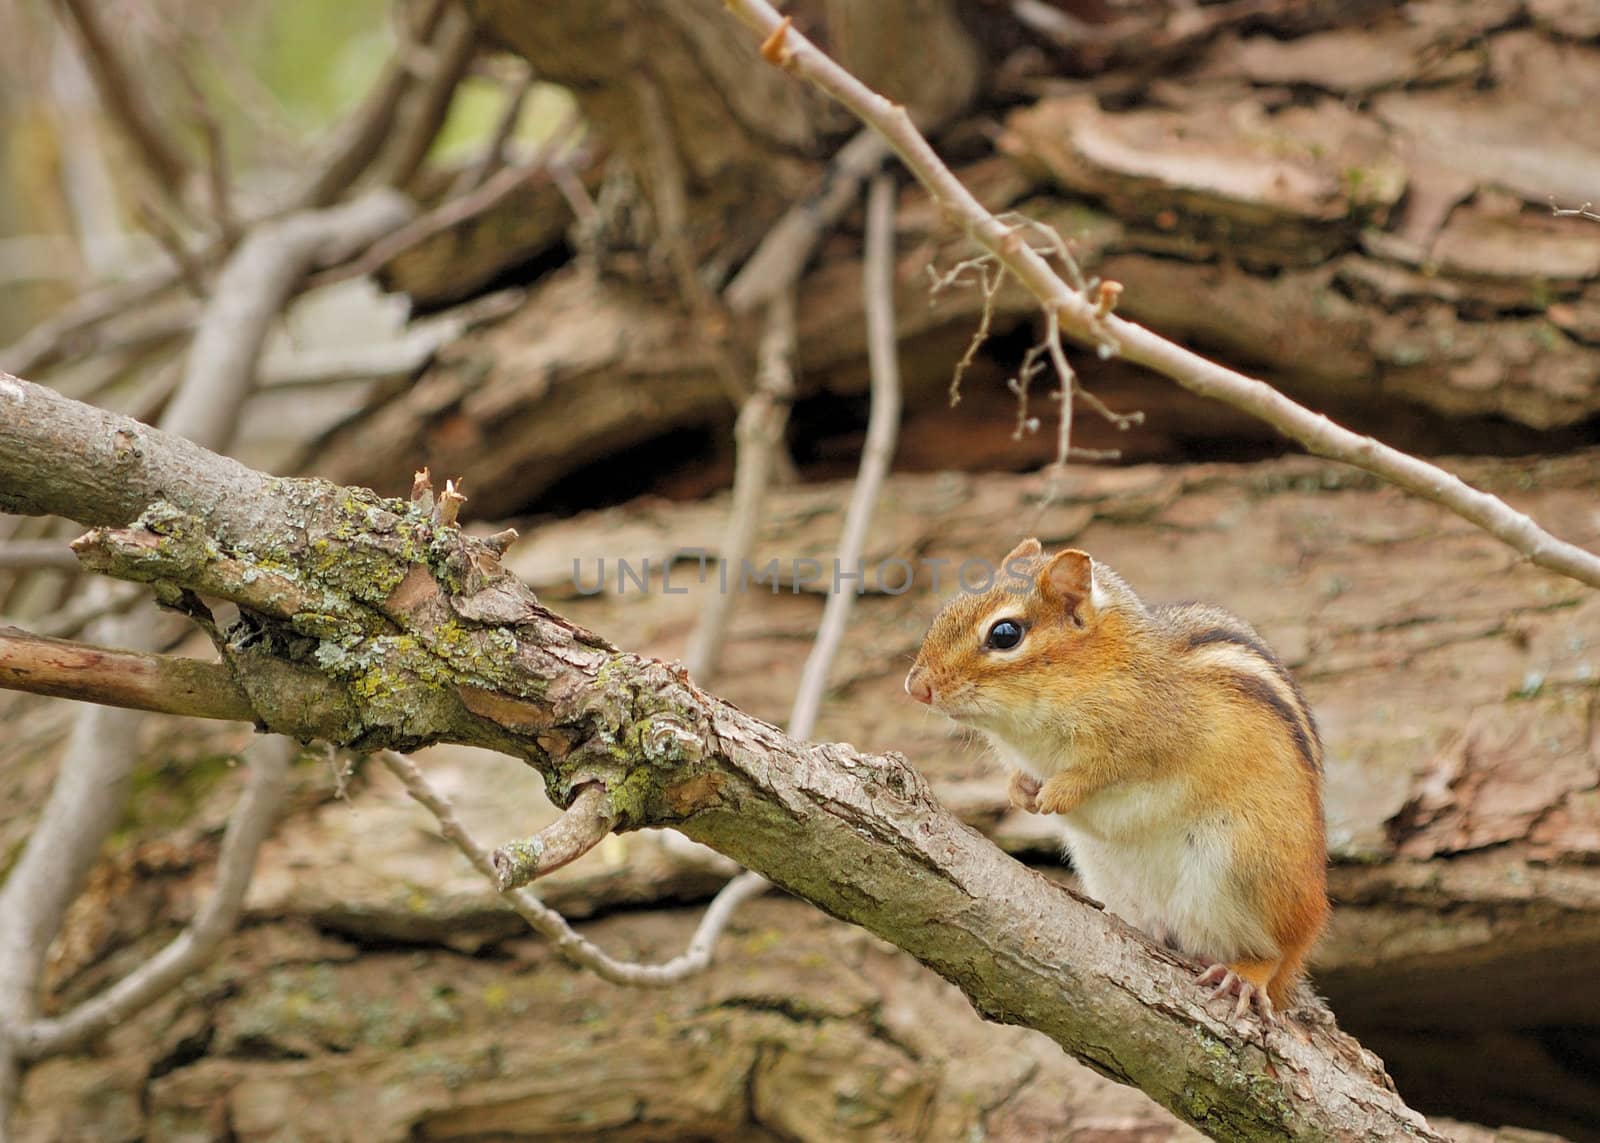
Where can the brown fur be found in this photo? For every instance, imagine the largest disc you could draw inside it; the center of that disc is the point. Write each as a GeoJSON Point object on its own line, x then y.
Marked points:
{"type": "Point", "coordinates": [1179, 712]}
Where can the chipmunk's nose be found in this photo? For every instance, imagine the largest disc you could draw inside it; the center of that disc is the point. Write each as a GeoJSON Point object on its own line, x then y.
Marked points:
{"type": "Point", "coordinates": [918, 686]}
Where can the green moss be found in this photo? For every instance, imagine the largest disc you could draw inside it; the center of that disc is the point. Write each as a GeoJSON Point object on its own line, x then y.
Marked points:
{"type": "Point", "coordinates": [165, 791]}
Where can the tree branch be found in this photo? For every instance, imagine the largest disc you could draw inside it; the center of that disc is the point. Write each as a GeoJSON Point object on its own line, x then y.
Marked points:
{"type": "Point", "coordinates": [1080, 318]}
{"type": "Point", "coordinates": [124, 102]}
{"type": "Point", "coordinates": [883, 429]}
{"type": "Point", "coordinates": [553, 926]}
{"type": "Point", "coordinates": [587, 822]}
{"type": "Point", "coordinates": [431, 641]}
{"type": "Point", "coordinates": [253, 818]}
{"type": "Point", "coordinates": [159, 683]}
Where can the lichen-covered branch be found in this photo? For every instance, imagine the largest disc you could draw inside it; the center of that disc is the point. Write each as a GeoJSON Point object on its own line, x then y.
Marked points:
{"type": "Point", "coordinates": [430, 640]}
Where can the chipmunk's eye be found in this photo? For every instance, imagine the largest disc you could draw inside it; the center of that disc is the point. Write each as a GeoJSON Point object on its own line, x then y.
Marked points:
{"type": "Point", "coordinates": [1004, 635]}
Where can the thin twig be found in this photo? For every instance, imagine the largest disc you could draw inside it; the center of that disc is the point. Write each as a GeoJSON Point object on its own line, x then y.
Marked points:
{"type": "Point", "coordinates": [759, 437]}
{"type": "Point", "coordinates": [443, 217]}
{"type": "Point", "coordinates": [669, 187]}
{"type": "Point", "coordinates": [494, 155]}
{"type": "Point", "coordinates": [218, 181]}
{"type": "Point", "coordinates": [1079, 318]}
{"type": "Point", "coordinates": [990, 284]}
{"type": "Point", "coordinates": [1123, 421]}
{"type": "Point", "coordinates": [553, 926]}
{"type": "Point", "coordinates": [148, 213]}
{"type": "Point", "coordinates": [1069, 384]}
{"type": "Point", "coordinates": [883, 427]}
{"type": "Point", "coordinates": [424, 113]}
{"type": "Point", "coordinates": [776, 264]}
{"type": "Point", "coordinates": [360, 138]}
{"type": "Point", "coordinates": [123, 100]}
{"type": "Point", "coordinates": [1585, 211]}
{"type": "Point", "coordinates": [1026, 372]}
{"type": "Point", "coordinates": [265, 793]}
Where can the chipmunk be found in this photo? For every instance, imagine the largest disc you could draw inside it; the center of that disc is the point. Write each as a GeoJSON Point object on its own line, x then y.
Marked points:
{"type": "Point", "coordinates": [1181, 757]}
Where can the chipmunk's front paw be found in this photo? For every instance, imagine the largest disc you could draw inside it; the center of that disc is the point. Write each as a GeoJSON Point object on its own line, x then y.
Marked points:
{"type": "Point", "coordinates": [1230, 983]}
{"type": "Point", "coordinates": [1023, 790]}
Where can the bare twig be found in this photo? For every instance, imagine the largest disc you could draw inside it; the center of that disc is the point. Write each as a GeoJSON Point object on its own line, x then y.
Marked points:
{"type": "Point", "coordinates": [883, 426]}
{"type": "Point", "coordinates": [361, 137]}
{"type": "Point", "coordinates": [1029, 369]}
{"type": "Point", "coordinates": [990, 283]}
{"type": "Point", "coordinates": [424, 114]}
{"type": "Point", "coordinates": [551, 925]}
{"type": "Point", "coordinates": [159, 227]}
{"type": "Point", "coordinates": [251, 291]}
{"type": "Point", "coordinates": [494, 154]}
{"type": "Point", "coordinates": [1078, 317]}
{"type": "Point", "coordinates": [1585, 211]}
{"type": "Point", "coordinates": [759, 433]}
{"type": "Point", "coordinates": [669, 188]}
{"type": "Point", "coordinates": [252, 820]}
{"type": "Point", "coordinates": [441, 218]}
{"type": "Point", "coordinates": [218, 181]}
{"type": "Point", "coordinates": [1069, 384]}
{"type": "Point", "coordinates": [776, 264]}
{"type": "Point", "coordinates": [1123, 421]}
{"type": "Point", "coordinates": [583, 825]}
{"type": "Point", "coordinates": [124, 101]}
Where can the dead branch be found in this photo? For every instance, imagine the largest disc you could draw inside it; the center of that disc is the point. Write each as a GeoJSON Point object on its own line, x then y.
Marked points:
{"type": "Point", "coordinates": [361, 137]}
{"type": "Point", "coordinates": [1080, 319]}
{"type": "Point", "coordinates": [123, 100]}
{"type": "Point", "coordinates": [583, 826]}
{"type": "Point", "coordinates": [251, 291]}
{"type": "Point", "coordinates": [759, 438]}
{"type": "Point", "coordinates": [553, 926]}
{"type": "Point", "coordinates": [430, 642]}
{"type": "Point", "coordinates": [423, 115]}
{"type": "Point", "coordinates": [776, 264]}
{"type": "Point", "coordinates": [263, 799]}
{"type": "Point", "coordinates": [883, 429]}
{"type": "Point", "coordinates": [125, 679]}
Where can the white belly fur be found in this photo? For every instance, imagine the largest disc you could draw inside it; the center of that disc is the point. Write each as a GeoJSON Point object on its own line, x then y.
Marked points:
{"type": "Point", "coordinates": [1142, 853]}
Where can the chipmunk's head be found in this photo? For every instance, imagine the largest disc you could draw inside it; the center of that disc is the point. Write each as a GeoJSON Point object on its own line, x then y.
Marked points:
{"type": "Point", "coordinates": [1022, 654]}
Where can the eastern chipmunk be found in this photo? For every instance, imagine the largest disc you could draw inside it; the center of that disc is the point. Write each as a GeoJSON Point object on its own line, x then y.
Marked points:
{"type": "Point", "coordinates": [1181, 757]}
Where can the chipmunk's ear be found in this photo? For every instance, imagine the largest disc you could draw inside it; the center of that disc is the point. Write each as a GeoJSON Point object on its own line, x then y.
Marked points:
{"type": "Point", "coordinates": [1067, 580]}
{"type": "Point", "coordinates": [1026, 550]}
